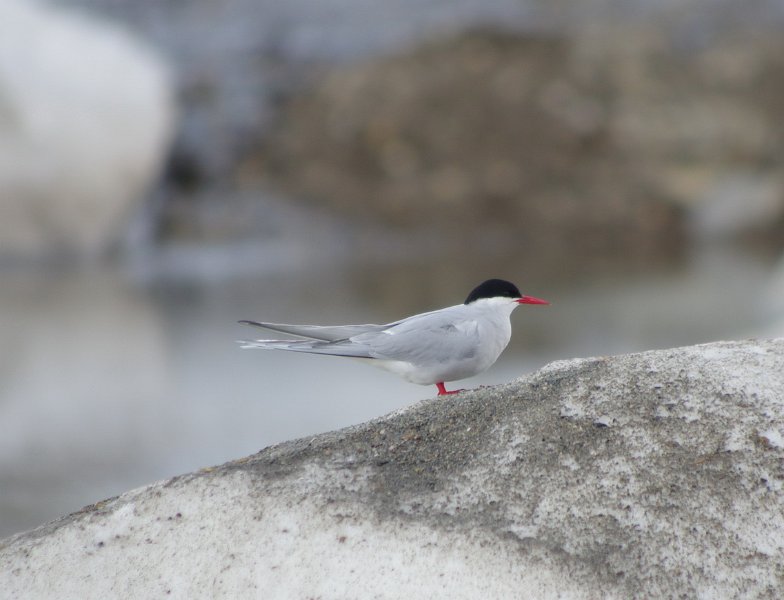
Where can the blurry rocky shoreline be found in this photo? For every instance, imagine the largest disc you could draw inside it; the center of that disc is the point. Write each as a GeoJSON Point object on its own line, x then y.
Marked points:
{"type": "Point", "coordinates": [605, 140]}
{"type": "Point", "coordinates": [602, 136]}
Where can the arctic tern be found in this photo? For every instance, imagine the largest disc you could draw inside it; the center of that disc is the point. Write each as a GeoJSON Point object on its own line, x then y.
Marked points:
{"type": "Point", "coordinates": [429, 348]}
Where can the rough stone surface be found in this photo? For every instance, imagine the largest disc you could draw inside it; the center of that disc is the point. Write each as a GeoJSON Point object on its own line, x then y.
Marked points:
{"type": "Point", "coordinates": [647, 475]}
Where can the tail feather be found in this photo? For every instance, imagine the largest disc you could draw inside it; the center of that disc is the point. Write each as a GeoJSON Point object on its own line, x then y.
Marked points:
{"type": "Point", "coordinates": [326, 333]}
{"type": "Point", "coordinates": [265, 344]}
{"type": "Point", "coordinates": [340, 348]}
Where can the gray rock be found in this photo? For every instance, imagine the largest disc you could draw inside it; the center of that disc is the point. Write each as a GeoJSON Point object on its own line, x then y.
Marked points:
{"type": "Point", "coordinates": [648, 475]}
{"type": "Point", "coordinates": [86, 113]}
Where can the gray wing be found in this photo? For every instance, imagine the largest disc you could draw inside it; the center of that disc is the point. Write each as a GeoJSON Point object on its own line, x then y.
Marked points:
{"type": "Point", "coordinates": [426, 339]}
{"type": "Point", "coordinates": [328, 333]}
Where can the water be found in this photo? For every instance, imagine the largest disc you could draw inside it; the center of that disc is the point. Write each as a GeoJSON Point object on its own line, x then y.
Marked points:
{"type": "Point", "coordinates": [119, 375]}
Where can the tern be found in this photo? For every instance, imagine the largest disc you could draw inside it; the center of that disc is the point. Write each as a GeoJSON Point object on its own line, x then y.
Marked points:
{"type": "Point", "coordinates": [429, 348]}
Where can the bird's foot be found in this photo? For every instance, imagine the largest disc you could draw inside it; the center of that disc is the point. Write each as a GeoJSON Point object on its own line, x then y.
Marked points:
{"type": "Point", "coordinates": [442, 391]}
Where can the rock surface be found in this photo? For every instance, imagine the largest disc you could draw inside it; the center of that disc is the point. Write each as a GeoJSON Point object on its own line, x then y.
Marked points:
{"type": "Point", "coordinates": [86, 112]}
{"type": "Point", "coordinates": [647, 475]}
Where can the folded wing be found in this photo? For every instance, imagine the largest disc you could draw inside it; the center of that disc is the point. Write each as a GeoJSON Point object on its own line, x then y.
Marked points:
{"type": "Point", "coordinates": [429, 339]}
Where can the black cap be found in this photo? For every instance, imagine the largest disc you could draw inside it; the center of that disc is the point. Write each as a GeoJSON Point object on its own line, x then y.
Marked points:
{"type": "Point", "coordinates": [493, 288]}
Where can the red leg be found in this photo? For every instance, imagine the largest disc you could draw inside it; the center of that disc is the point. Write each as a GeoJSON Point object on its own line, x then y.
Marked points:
{"type": "Point", "coordinates": [442, 391]}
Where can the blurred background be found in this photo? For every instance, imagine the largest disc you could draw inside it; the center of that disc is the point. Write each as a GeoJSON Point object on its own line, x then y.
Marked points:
{"type": "Point", "coordinates": [167, 168]}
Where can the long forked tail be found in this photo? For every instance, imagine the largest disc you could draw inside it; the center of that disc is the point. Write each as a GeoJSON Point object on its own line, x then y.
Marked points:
{"type": "Point", "coordinates": [332, 340]}
{"type": "Point", "coordinates": [338, 348]}
{"type": "Point", "coordinates": [266, 344]}
{"type": "Point", "coordinates": [327, 333]}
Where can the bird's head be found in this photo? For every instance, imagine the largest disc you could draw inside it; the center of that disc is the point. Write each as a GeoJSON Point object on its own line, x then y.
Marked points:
{"type": "Point", "coordinates": [499, 288]}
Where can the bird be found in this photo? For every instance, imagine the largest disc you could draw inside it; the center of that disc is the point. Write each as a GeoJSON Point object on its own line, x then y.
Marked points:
{"type": "Point", "coordinates": [434, 347]}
